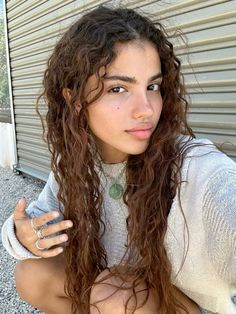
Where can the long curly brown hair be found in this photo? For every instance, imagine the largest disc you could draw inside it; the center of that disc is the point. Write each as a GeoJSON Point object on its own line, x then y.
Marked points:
{"type": "Point", "coordinates": [153, 177]}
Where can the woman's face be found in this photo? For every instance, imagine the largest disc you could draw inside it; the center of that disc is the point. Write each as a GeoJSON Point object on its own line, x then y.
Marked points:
{"type": "Point", "coordinates": [124, 117]}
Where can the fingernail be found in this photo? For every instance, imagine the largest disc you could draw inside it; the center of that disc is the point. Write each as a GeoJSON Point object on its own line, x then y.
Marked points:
{"type": "Point", "coordinates": [22, 200]}
{"type": "Point", "coordinates": [63, 237]}
{"type": "Point", "coordinates": [55, 214]}
{"type": "Point", "coordinates": [69, 224]}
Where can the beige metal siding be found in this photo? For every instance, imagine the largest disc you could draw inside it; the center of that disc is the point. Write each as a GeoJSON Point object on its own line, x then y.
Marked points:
{"type": "Point", "coordinates": [34, 28]}
{"type": "Point", "coordinates": [209, 66]}
{"type": "Point", "coordinates": [210, 69]}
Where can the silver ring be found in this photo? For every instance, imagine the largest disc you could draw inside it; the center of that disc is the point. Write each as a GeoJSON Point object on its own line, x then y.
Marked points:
{"type": "Point", "coordinates": [33, 226]}
{"type": "Point", "coordinates": [39, 233]}
{"type": "Point", "coordinates": [37, 245]}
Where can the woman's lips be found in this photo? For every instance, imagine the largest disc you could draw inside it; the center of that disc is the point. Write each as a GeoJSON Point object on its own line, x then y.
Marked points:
{"type": "Point", "coordinates": [141, 134]}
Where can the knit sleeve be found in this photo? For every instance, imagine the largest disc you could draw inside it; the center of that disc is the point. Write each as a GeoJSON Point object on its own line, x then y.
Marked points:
{"type": "Point", "coordinates": [47, 201]}
{"type": "Point", "coordinates": [11, 243]}
{"type": "Point", "coordinates": [219, 220]}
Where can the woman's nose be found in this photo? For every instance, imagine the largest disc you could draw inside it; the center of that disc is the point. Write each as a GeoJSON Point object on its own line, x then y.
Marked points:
{"type": "Point", "coordinates": [142, 107]}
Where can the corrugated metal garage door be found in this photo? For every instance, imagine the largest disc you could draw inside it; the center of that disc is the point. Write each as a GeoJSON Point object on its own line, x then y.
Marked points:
{"type": "Point", "coordinates": [210, 71]}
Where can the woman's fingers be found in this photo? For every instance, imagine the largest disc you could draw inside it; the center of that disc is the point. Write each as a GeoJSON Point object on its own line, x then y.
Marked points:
{"type": "Point", "coordinates": [46, 246]}
{"type": "Point", "coordinates": [50, 253]}
{"type": "Point", "coordinates": [19, 211]}
{"type": "Point", "coordinates": [57, 227]}
{"type": "Point", "coordinates": [49, 247]}
{"type": "Point", "coordinates": [46, 242]}
{"type": "Point", "coordinates": [38, 237]}
{"type": "Point", "coordinates": [45, 218]}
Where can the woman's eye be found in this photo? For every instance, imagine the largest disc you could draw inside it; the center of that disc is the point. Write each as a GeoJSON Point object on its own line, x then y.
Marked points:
{"type": "Point", "coordinates": [154, 87]}
{"type": "Point", "coordinates": [116, 89]}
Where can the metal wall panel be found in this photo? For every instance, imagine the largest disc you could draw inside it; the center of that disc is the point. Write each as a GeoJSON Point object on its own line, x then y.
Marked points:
{"type": "Point", "coordinates": [34, 27]}
{"type": "Point", "coordinates": [209, 63]}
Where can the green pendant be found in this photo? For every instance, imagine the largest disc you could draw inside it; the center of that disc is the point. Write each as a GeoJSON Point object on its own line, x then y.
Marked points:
{"type": "Point", "coordinates": [116, 191]}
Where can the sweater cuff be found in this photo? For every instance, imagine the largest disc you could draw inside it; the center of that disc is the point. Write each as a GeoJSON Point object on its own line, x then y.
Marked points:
{"type": "Point", "coordinates": [12, 244]}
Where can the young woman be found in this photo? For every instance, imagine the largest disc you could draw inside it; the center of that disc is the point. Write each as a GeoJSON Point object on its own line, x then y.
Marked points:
{"type": "Point", "coordinates": [137, 215]}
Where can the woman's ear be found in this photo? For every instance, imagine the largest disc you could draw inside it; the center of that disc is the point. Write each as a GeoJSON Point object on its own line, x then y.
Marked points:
{"type": "Point", "coordinates": [66, 92]}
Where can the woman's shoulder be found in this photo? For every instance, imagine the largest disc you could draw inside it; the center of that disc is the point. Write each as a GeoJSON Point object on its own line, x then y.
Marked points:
{"type": "Point", "coordinates": [202, 158]}
{"type": "Point", "coordinates": [192, 146]}
{"type": "Point", "coordinates": [208, 196]}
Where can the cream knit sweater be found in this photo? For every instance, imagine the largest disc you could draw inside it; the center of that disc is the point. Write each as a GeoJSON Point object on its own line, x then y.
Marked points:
{"type": "Point", "coordinates": [208, 200]}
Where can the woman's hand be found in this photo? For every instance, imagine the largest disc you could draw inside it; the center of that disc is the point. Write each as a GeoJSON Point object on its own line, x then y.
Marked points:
{"type": "Point", "coordinates": [37, 237]}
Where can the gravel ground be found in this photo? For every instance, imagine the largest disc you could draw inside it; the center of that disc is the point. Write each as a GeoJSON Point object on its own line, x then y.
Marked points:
{"type": "Point", "coordinates": [12, 188]}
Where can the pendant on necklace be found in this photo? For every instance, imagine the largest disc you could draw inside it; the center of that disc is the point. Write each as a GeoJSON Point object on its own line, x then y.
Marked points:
{"type": "Point", "coordinates": [116, 191]}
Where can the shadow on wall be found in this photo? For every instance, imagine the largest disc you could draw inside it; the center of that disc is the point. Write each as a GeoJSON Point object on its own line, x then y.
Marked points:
{"type": "Point", "coordinates": [6, 145]}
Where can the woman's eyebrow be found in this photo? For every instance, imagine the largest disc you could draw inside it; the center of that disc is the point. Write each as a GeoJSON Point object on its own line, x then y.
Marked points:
{"type": "Point", "coordinates": [129, 79]}
{"type": "Point", "coordinates": [120, 78]}
{"type": "Point", "coordinates": [155, 77]}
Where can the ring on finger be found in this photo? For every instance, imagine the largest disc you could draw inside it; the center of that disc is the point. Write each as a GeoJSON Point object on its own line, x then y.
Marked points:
{"type": "Point", "coordinates": [38, 246]}
{"type": "Point", "coordinates": [33, 226]}
{"type": "Point", "coordinates": [40, 232]}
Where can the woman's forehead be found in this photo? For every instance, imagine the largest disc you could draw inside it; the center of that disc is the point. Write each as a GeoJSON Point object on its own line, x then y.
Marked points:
{"type": "Point", "coordinates": [133, 59]}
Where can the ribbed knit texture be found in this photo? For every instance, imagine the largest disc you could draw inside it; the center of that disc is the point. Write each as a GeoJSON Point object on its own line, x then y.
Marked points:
{"type": "Point", "coordinates": [220, 224]}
